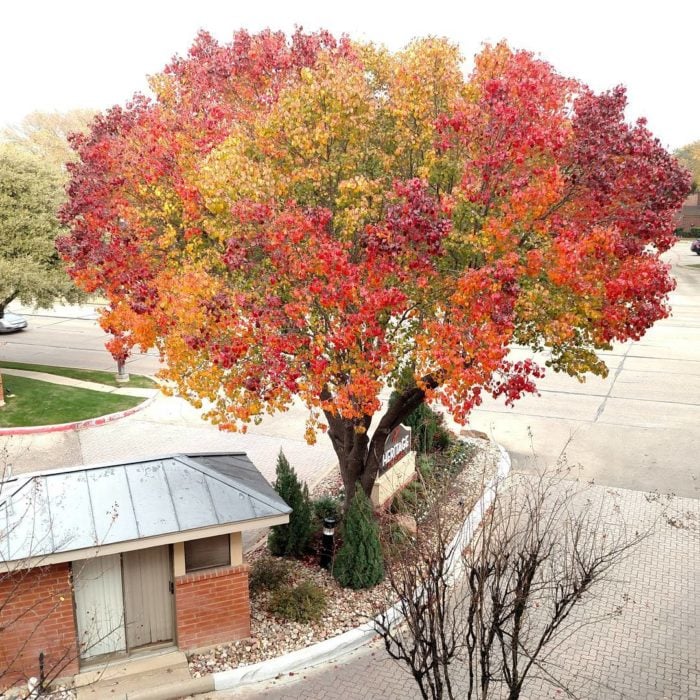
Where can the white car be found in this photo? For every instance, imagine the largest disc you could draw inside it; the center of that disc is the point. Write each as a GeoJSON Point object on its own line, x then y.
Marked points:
{"type": "Point", "coordinates": [12, 322]}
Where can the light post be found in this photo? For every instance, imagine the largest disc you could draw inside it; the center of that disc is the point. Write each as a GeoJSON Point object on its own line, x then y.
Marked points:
{"type": "Point", "coordinates": [327, 543]}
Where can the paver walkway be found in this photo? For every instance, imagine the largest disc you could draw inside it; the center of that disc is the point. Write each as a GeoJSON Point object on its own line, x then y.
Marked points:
{"type": "Point", "coordinates": [651, 651]}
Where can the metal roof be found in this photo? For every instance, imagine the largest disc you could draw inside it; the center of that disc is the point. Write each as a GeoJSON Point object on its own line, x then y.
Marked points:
{"type": "Point", "coordinates": [50, 512]}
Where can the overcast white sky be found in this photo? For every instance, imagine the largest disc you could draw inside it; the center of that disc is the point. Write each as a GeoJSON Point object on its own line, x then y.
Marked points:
{"type": "Point", "coordinates": [61, 54]}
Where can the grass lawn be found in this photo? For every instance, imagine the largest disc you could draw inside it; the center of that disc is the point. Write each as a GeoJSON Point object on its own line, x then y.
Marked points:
{"type": "Point", "coordinates": [136, 381]}
{"type": "Point", "coordinates": [40, 403]}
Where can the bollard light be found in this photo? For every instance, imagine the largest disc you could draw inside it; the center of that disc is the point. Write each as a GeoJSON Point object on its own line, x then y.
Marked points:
{"type": "Point", "coordinates": [327, 543]}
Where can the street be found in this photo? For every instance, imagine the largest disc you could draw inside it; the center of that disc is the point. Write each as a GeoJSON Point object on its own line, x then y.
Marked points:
{"type": "Point", "coordinates": [67, 337]}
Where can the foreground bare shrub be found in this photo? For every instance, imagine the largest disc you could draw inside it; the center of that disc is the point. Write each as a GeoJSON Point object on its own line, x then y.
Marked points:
{"type": "Point", "coordinates": [479, 611]}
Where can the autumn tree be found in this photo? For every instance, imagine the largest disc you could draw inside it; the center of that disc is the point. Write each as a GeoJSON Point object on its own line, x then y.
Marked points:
{"type": "Point", "coordinates": [314, 217]}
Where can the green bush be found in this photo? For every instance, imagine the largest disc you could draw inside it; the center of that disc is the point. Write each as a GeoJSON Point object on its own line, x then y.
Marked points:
{"type": "Point", "coordinates": [359, 562]}
{"type": "Point", "coordinates": [326, 507]}
{"type": "Point", "coordinates": [395, 539]}
{"type": "Point", "coordinates": [291, 539]}
{"type": "Point", "coordinates": [303, 603]}
{"type": "Point", "coordinates": [425, 467]}
{"type": "Point", "coordinates": [270, 574]}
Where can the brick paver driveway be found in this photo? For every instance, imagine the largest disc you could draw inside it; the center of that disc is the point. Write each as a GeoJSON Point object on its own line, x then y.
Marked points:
{"type": "Point", "coordinates": [649, 651]}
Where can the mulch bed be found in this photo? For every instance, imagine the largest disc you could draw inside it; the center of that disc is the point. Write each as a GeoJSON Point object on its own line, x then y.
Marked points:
{"type": "Point", "coordinates": [346, 609]}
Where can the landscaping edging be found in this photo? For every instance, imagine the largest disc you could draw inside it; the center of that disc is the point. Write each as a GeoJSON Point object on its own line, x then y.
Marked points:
{"type": "Point", "coordinates": [77, 425]}
{"type": "Point", "coordinates": [331, 649]}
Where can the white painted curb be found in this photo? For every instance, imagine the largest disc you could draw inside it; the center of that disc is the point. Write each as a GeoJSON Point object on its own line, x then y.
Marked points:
{"type": "Point", "coordinates": [335, 647]}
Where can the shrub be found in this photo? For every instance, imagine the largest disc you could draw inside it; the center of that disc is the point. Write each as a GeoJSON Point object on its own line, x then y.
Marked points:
{"type": "Point", "coordinates": [359, 562]}
{"type": "Point", "coordinates": [395, 540]}
{"type": "Point", "coordinates": [459, 455]}
{"type": "Point", "coordinates": [291, 539]}
{"type": "Point", "coordinates": [326, 507]}
{"type": "Point", "coordinates": [303, 603]}
{"type": "Point", "coordinates": [409, 499]}
{"type": "Point", "coordinates": [268, 573]}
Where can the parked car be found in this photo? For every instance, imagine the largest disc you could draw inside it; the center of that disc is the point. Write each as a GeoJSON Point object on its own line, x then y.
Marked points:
{"type": "Point", "coordinates": [695, 247]}
{"type": "Point", "coordinates": [12, 322]}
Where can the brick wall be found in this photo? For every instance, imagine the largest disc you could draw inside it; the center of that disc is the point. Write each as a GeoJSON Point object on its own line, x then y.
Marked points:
{"type": "Point", "coordinates": [36, 614]}
{"type": "Point", "coordinates": [212, 606]}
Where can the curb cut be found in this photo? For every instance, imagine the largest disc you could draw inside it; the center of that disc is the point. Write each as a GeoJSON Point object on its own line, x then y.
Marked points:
{"type": "Point", "coordinates": [78, 425]}
{"type": "Point", "coordinates": [335, 647]}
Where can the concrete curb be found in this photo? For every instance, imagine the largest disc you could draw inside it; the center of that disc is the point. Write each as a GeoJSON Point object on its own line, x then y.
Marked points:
{"type": "Point", "coordinates": [78, 425]}
{"type": "Point", "coordinates": [335, 647]}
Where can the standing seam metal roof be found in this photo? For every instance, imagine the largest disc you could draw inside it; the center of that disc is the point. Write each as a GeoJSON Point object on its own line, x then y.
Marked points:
{"type": "Point", "coordinates": [60, 511]}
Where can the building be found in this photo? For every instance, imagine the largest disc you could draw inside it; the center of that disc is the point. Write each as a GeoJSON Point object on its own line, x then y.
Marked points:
{"type": "Point", "coordinates": [98, 562]}
{"type": "Point", "coordinates": [689, 215]}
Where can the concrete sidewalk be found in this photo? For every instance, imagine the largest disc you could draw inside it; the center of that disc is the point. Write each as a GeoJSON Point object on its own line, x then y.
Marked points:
{"type": "Point", "coordinates": [79, 383]}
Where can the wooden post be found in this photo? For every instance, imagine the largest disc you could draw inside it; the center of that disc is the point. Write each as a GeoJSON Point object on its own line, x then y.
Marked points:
{"type": "Point", "coordinates": [2, 393]}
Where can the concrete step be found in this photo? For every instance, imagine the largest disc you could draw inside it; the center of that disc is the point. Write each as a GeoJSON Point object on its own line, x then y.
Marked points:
{"type": "Point", "coordinates": [126, 677]}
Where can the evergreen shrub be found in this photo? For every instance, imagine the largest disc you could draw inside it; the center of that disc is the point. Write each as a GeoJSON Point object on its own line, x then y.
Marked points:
{"type": "Point", "coordinates": [291, 539]}
{"type": "Point", "coordinates": [359, 562]}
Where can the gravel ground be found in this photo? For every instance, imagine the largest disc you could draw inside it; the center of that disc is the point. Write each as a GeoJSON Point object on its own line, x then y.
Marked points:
{"type": "Point", "coordinates": [346, 609]}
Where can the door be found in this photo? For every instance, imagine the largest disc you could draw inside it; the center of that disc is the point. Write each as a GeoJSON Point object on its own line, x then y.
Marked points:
{"type": "Point", "coordinates": [99, 605]}
{"type": "Point", "coordinates": [147, 596]}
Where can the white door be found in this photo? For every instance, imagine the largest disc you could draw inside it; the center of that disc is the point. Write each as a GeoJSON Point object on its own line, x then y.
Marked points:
{"type": "Point", "coordinates": [99, 605]}
{"type": "Point", "coordinates": [148, 596]}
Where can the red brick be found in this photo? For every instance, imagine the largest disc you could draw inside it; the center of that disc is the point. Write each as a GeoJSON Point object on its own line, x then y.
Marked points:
{"type": "Point", "coordinates": [38, 620]}
{"type": "Point", "coordinates": [212, 606]}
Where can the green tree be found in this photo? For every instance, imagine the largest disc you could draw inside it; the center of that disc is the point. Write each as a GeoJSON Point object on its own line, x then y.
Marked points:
{"type": "Point", "coordinates": [30, 268]}
{"type": "Point", "coordinates": [359, 562]}
{"type": "Point", "coordinates": [292, 539]}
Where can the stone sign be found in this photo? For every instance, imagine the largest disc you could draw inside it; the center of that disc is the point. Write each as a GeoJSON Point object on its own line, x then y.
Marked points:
{"type": "Point", "coordinates": [397, 445]}
{"type": "Point", "coordinates": [397, 469]}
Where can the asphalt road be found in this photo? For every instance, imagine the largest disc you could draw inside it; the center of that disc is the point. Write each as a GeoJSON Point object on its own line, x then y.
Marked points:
{"type": "Point", "coordinates": [635, 429]}
{"type": "Point", "coordinates": [67, 336]}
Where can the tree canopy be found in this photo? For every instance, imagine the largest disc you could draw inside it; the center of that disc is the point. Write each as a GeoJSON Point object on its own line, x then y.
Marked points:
{"type": "Point", "coordinates": [30, 267]}
{"type": "Point", "coordinates": [313, 217]}
{"type": "Point", "coordinates": [690, 157]}
{"type": "Point", "coordinates": [46, 135]}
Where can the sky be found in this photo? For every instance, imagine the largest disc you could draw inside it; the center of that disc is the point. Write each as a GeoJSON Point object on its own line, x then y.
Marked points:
{"type": "Point", "coordinates": [64, 54]}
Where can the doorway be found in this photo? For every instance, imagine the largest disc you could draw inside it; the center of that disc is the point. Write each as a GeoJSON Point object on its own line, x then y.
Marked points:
{"type": "Point", "coordinates": [124, 601]}
{"type": "Point", "coordinates": [148, 601]}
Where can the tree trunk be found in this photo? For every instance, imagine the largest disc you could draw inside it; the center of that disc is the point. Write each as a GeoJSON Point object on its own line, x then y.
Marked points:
{"type": "Point", "coordinates": [2, 392]}
{"type": "Point", "coordinates": [359, 456]}
{"type": "Point", "coordinates": [7, 300]}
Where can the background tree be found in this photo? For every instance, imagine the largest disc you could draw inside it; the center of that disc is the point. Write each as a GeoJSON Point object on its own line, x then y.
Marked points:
{"type": "Point", "coordinates": [33, 158]}
{"type": "Point", "coordinates": [690, 157]}
{"type": "Point", "coordinates": [480, 617]}
{"type": "Point", "coordinates": [309, 218]}
{"type": "Point", "coordinates": [46, 136]}
{"type": "Point", "coordinates": [30, 267]}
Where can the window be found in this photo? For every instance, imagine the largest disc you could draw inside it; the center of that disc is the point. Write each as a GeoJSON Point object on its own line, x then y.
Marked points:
{"type": "Point", "coordinates": [207, 553]}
